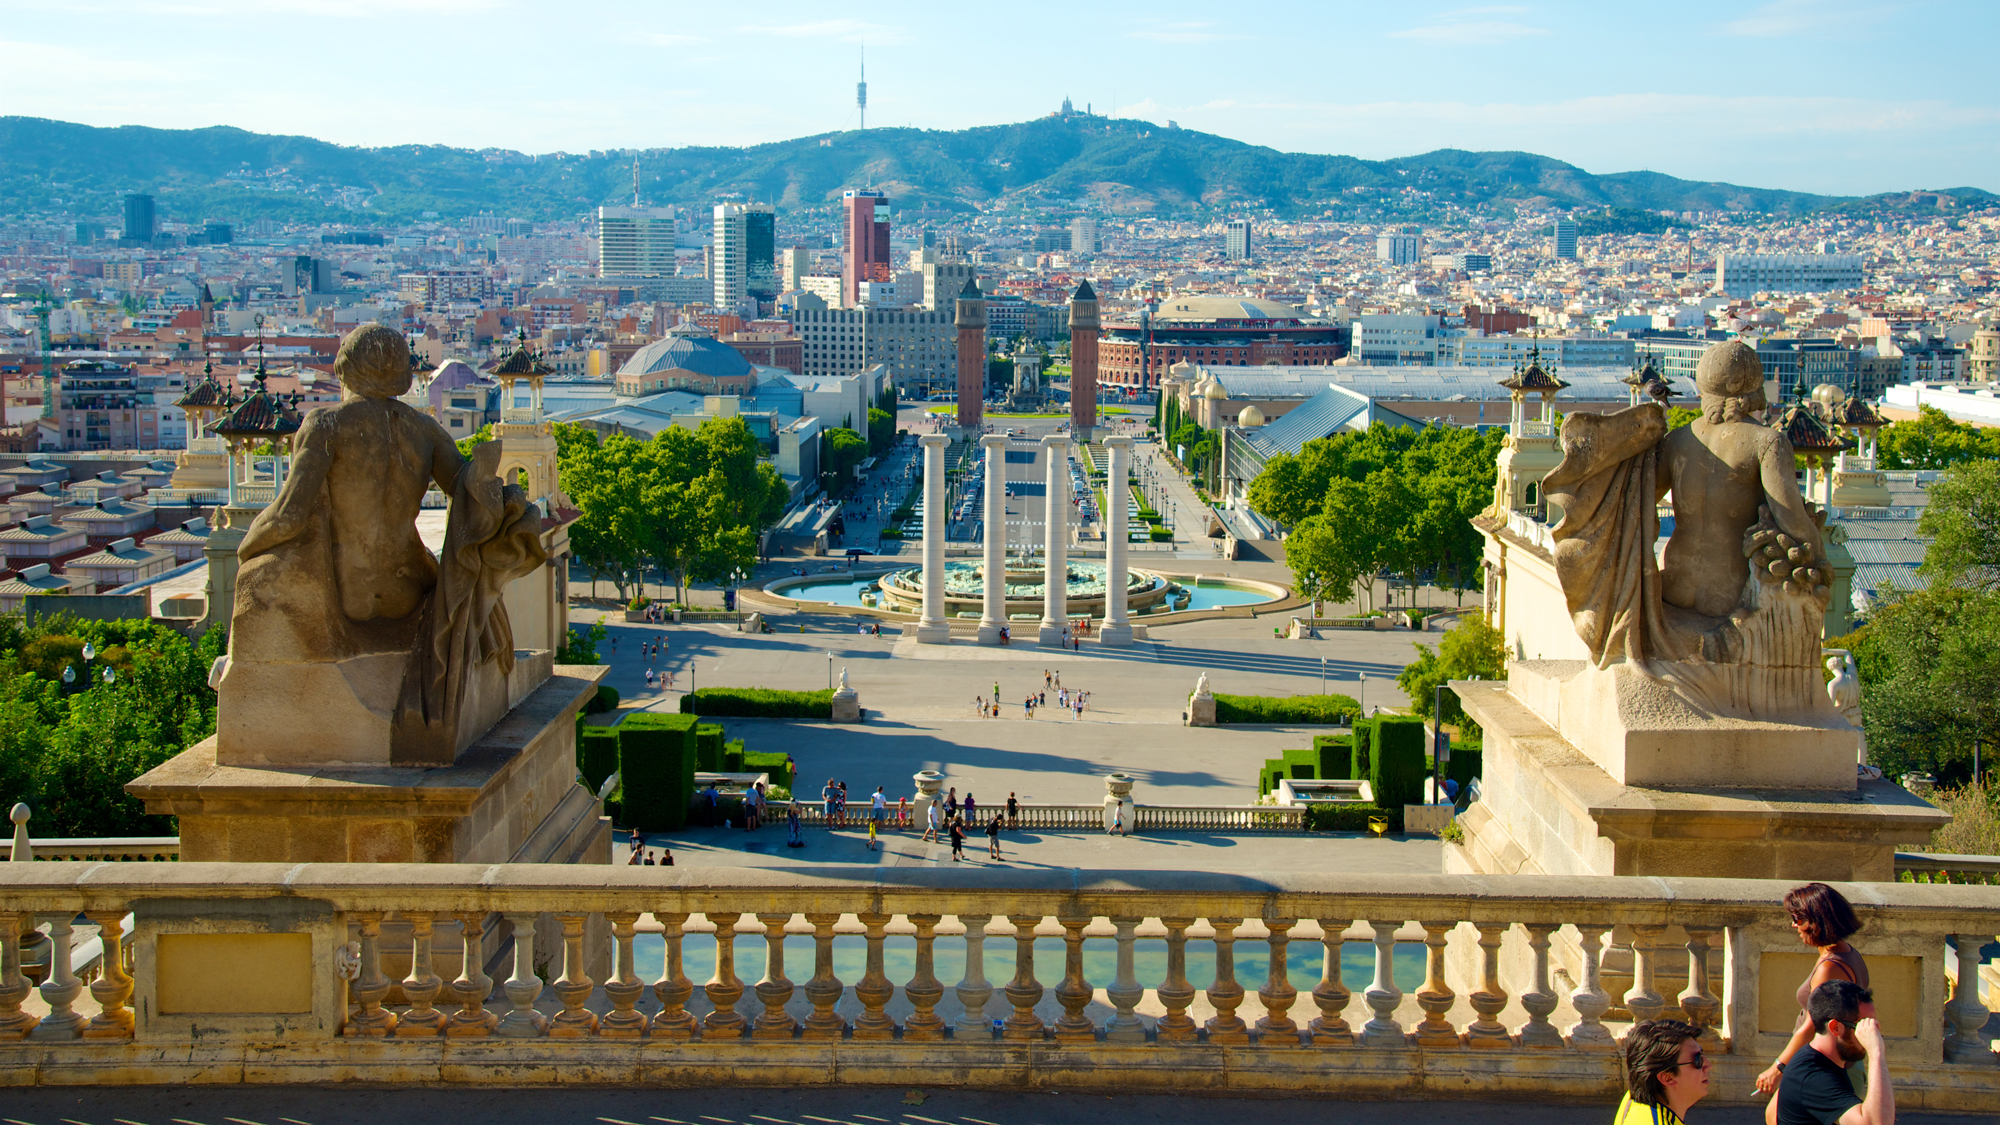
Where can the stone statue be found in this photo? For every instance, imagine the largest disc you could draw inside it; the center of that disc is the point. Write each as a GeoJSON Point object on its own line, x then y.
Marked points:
{"type": "Point", "coordinates": [1731, 618]}
{"type": "Point", "coordinates": [843, 677]}
{"type": "Point", "coordinates": [373, 649]}
{"type": "Point", "coordinates": [1201, 685]}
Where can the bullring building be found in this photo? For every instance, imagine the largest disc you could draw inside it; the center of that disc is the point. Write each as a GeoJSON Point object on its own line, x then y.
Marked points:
{"type": "Point", "coordinates": [1214, 331]}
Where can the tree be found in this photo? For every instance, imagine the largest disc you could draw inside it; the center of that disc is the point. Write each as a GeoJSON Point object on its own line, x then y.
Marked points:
{"type": "Point", "coordinates": [481, 437]}
{"type": "Point", "coordinates": [1933, 441]}
{"type": "Point", "coordinates": [840, 450]}
{"type": "Point", "coordinates": [1472, 649]}
{"type": "Point", "coordinates": [606, 483]}
{"type": "Point", "coordinates": [1963, 522]}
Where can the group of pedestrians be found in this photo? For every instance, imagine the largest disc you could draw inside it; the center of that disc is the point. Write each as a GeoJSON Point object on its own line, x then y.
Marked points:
{"type": "Point", "coordinates": [1073, 700]}
{"type": "Point", "coordinates": [1666, 1069]}
{"type": "Point", "coordinates": [950, 820]}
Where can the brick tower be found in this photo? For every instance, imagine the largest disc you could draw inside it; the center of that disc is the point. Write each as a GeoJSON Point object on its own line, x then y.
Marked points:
{"type": "Point", "coordinates": [1083, 363]}
{"type": "Point", "coordinates": [971, 358]}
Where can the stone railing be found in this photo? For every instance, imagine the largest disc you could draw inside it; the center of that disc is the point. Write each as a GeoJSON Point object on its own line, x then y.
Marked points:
{"type": "Point", "coordinates": [1927, 867]}
{"type": "Point", "coordinates": [1087, 818]}
{"type": "Point", "coordinates": [1427, 986]}
{"type": "Point", "coordinates": [115, 848]}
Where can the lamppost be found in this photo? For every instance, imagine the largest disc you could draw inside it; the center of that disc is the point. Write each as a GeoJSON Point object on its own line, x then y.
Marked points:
{"type": "Point", "coordinates": [829, 671]}
{"type": "Point", "coordinates": [1322, 675]}
{"type": "Point", "coordinates": [70, 675]}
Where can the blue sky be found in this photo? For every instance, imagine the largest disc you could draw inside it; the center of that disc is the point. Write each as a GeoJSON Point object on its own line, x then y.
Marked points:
{"type": "Point", "coordinates": [1839, 96]}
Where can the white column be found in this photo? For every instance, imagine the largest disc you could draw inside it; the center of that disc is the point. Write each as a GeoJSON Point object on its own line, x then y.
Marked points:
{"type": "Point", "coordinates": [1116, 629]}
{"type": "Point", "coordinates": [931, 626]}
{"type": "Point", "coordinates": [994, 617]}
{"type": "Point", "coordinates": [1055, 597]}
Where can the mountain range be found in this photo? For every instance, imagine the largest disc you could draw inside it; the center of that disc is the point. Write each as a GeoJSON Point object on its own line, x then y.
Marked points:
{"type": "Point", "coordinates": [1048, 165]}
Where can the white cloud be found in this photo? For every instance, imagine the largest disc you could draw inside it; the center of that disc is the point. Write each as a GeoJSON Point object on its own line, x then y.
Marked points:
{"type": "Point", "coordinates": [1796, 17]}
{"type": "Point", "coordinates": [1470, 32]}
{"type": "Point", "coordinates": [840, 31]}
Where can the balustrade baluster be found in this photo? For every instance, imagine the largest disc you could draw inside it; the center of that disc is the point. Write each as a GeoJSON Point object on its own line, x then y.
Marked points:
{"type": "Point", "coordinates": [1967, 1043]}
{"type": "Point", "coordinates": [1024, 991]}
{"type": "Point", "coordinates": [1330, 1029]}
{"type": "Point", "coordinates": [1276, 1028]}
{"type": "Point", "coordinates": [624, 988]}
{"type": "Point", "coordinates": [1225, 1026]}
{"type": "Point", "coordinates": [113, 986]}
{"type": "Point", "coordinates": [1540, 1000]}
{"type": "Point", "coordinates": [1074, 993]}
{"type": "Point", "coordinates": [369, 989]}
{"type": "Point", "coordinates": [924, 990]}
{"type": "Point", "coordinates": [1125, 992]}
{"type": "Point", "coordinates": [14, 987]}
{"type": "Point", "coordinates": [1176, 993]}
{"type": "Point", "coordinates": [725, 1022]}
{"type": "Point", "coordinates": [1590, 1000]}
{"type": "Point", "coordinates": [473, 986]}
{"type": "Point", "coordinates": [673, 1022]}
{"type": "Point", "coordinates": [423, 984]}
{"type": "Point", "coordinates": [974, 990]}
{"type": "Point", "coordinates": [1383, 996]}
{"type": "Point", "coordinates": [574, 987]}
{"type": "Point", "coordinates": [1436, 996]}
{"type": "Point", "coordinates": [1701, 1006]}
{"type": "Point", "coordinates": [824, 989]}
{"type": "Point", "coordinates": [524, 987]}
{"type": "Point", "coordinates": [1490, 999]}
{"type": "Point", "coordinates": [776, 988]}
{"type": "Point", "coordinates": [1643, 999]}
{"type": "Point", "coordinates": [62, 988]}
{"type": "Point", "coordinates": [874, 989]}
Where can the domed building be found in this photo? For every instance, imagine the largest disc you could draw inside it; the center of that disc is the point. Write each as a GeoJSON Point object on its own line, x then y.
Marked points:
{"type": "Point", "coordinates": [686, 358]}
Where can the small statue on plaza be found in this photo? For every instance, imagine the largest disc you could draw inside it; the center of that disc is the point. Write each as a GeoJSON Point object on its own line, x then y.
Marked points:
{"type": "Point", "coordinates": [1731, 619]}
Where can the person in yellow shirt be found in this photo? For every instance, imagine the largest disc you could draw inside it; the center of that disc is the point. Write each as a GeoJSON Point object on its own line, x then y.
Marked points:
{"type": "Point", "coordinates": [1666, 1073]}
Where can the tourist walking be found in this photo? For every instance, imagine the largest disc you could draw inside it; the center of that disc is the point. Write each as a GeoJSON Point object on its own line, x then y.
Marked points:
{"type": "Point", "coordinates": [931, 822]}
{"type": "Point", "coordinates": [1823, 920]}
{"type": "Point", "coordinates": [1816, 1088]}
{"type": "Point", "coordinates": [957, 840]}
{"type": "Point", "coordinates": [993, 837]}
{"type": "Point", "coordinates": [793, 837]}
{"type": "Point", "coordinates": [1665, 1074]}
{"type": "Point", "coordinates": [971, 808]}
{"type": "Point", "coordinates": [1117, 827]}
{"type": "Point", "coordinates": [872, 822]}
{"type": "Point", "coordinates": [878, 807]}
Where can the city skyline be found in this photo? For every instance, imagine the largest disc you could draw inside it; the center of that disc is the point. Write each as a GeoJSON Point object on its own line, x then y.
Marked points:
{"type": "Point", "coordinates": [1750, 96]}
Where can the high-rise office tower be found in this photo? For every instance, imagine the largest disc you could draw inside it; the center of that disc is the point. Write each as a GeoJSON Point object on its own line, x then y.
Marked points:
{"type": "Point", "coordinates": [1237, 246]}
{"type": "Point", "coordinates": [794, 263]}
{"type": "Point", "coordinates": [1083, 235]}
{"type": "Point", "coordinates": [971, 320]}
{"type": "Point", "coordinates": [760, 251]}
{"type": "Point", "coordinates": [1565, 238]}
{"type": "Point", "coordinates": [635, 241]}
{"type": "Point", "coordinates": [1397, 249]}
{"type": "Point", "coordinates": [1083, 326]}
{"type": "Point", "coordinates": [139, 227]}
{"type": "Point", "coordinates": [864, 224]}
{"type": "Point", "coordinates": [730, 257]}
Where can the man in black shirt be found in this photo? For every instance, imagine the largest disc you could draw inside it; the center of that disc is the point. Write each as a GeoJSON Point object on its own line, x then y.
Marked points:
{"type": "Point", "coordinates": [1815, 1088]}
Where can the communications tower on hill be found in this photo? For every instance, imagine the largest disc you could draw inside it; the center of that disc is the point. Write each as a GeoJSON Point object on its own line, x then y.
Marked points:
{"type": "Point", "coordinates": [861, 89]}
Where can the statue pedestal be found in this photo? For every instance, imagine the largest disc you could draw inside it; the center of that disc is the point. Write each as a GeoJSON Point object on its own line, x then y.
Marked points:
{"type": "Point", "coordinates": [846, 706]}
{"type": "Point", "coordinates": [1547, 807]}
{"type": "Point", "coordinates": [511, 796]}
{"type": "Point", "coordinates": [1201, 709]}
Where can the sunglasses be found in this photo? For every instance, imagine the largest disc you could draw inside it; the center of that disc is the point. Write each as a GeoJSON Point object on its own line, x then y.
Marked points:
{"type": "Point", "coordinates": [1699, 1061]}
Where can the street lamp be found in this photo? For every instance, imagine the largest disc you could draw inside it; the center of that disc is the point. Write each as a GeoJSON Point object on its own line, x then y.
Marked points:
{"type": "Point", "coordinates": [829, 671]}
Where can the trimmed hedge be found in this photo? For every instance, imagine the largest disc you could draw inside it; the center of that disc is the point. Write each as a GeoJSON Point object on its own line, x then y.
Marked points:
{"type": "Point", "coordinates": [605, 700]}
{"type": "Point", "coordinates": [732, 756]}
{"type": "Point", "coordinates": [596, 754]}
{"type": "Point", "coordinates": [1349, 817]}
{"type": "Point", "coordinates": [708, 747]}
{"type": "Point", "coordinates": [656, 755]}
{"type": "Point", "coordinates": [1336, 755]}
{"type": "Point", "coordinates": [774, 764]}
{"type": "Point", "coordinates": [758, 703]}
{"type": "Point", "coordinates": [1303, 709]}
{"type": "Point", "coordinates": [1396, 767]}
{"type": "Point", "coordinates": [1161, 535]}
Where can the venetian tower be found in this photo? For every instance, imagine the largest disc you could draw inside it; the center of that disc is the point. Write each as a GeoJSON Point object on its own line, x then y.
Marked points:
{"type": "Point", "coordinates": [971, 309]}
{"type": "Point", "coordinates": [1083, 362]}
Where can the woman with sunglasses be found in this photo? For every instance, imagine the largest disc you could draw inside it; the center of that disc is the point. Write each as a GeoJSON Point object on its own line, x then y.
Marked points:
{"type": "Point", "coordinates": [1823, 920]}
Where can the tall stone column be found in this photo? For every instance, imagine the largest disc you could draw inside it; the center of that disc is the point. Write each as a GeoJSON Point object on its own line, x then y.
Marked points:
{"type": "Point", "coordinates": [1055, 597]}
{"type": "Point", "coordinates": [931, 626]}
{"type": "Point", "coordinates": [1117, 630]}
{"type": "Point", "coordinates": [1083, 327]}
{"type": "Point", "coordinates": [994, 615]}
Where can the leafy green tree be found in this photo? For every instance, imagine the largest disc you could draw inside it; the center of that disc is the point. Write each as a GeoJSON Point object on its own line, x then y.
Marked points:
{"type": "Point", "coordinates": [484, 435]}
{"type": "Point", "coordinates": [606, 482]}
{"type": "Point", "coordinates": [1933, 441]}
{"type": "Point", "coordinates": [840, 450]}
{"type": "Point", "coordinates": [1963, 523]}
{"type": "Point", "coordinates": [1472, 649]}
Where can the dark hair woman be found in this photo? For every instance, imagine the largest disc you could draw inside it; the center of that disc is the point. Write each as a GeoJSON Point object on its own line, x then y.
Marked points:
{"type": "Point", "coordinates": [1824, 921]}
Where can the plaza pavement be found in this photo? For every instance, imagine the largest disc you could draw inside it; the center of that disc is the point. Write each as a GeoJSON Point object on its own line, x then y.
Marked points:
{"type": "Point", "coordinates": [736, 1105]}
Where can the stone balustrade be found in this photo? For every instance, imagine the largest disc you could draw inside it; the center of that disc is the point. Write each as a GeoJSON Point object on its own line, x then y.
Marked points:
{"type": "Point", "coordinates": [1427, 986]}
{"type": "Point", "coordinates": [129, 849]}
{"type": "Point", "coordinates": [1085, 818]}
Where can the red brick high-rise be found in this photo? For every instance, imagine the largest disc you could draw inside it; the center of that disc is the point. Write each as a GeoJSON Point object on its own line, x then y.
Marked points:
{"type": "Point", "coordinates": [971, 319]}
{"type": "Point", "coordinates": [864, 224]}
{"type": "Point", "coordinates": [1083, 362]}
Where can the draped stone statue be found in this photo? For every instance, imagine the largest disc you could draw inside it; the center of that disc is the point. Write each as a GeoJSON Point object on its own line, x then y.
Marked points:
{"type": "Point", "coordinates": [349, 642]}
{"type": "Point", "coordinates": [1729, 621]}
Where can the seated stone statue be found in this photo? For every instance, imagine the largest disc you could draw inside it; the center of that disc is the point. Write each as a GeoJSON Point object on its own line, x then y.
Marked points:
{"type": "Point", "coordinates": [1732, 620]}
{"type": "Point", "coordinates": [349, 643]}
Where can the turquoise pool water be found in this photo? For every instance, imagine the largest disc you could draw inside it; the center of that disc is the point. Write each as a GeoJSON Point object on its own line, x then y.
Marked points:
{"type": "Point", "coordinates": [847, 592]}
{"type": "Point", "coordinates": [1100, 960]}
